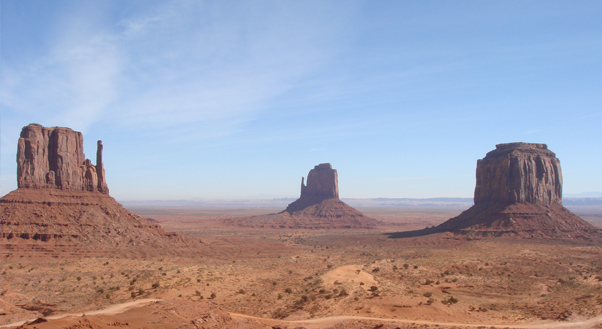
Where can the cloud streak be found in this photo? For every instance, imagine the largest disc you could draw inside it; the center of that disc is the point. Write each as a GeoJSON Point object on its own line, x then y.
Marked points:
{"type": "Point", "coordinates": [183, 66]}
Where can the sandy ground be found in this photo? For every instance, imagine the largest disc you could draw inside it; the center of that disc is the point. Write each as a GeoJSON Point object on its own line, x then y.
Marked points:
{"type": "Point", "coordinates": [246, 278]}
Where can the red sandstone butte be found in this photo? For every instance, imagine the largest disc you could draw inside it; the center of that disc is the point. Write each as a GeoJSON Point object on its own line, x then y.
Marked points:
{"type": "Point", "coordinates": [63, 205]}
{"type": "Point", "coordinates": [54, 158]}
{"type": "Point", "coordinates": [318, 207]}
{"type": "Point", "coordinates": [519, 193]}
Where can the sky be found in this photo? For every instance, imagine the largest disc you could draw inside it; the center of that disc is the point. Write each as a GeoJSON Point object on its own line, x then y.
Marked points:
{"type": "Point", "coordinates": [239, 99]}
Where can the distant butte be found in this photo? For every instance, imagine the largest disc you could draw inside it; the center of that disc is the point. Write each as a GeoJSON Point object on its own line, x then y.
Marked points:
{"type": "Point", "coordinates": [318, 207]}
{"type": "Point", "coordinates": [62, 203]}
{"type": "Point", "coordinates": [519, 193]}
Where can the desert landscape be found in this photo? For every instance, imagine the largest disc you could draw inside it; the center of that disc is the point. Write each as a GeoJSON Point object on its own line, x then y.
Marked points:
{"type": "Point", "coordinates": [72, 257]}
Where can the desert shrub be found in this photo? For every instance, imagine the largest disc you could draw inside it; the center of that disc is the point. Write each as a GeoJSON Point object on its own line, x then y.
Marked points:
{"type": "Point", "coordinates": [373, 288]}
{"type": "Point", "coordinates": [133, 294]}
{"type": "Point", "coordinates": [428, 281]}
{"type": "Point", "coordinates": [343, 293]}
{"type": "Point", "coordinates": [156, 285]}
{"type": "Point", "coordinates": [415, 266]}
{"type": "Point", "coordinates": [450, 300]}
{"type": "Point", "coordinates": [279, 296]}
{"type": "Point", "coordinates": [427, 294]}
{"type": "Point", "coordinates": [100, 290]}
{"type": "Point", "coordinates": [329, 296]}
{"type": "Point", "coordinates": [376, 269]}
{"type": "Point", "coordinates": [242, 291]}
{"type": "Point", "coordinates": [213, 295]}
{"type": "Point", "coordinates": [322, 291]}
{"type": "Point", "coordinates": [361, 283]}
{"type": "Point", "coordinates": [288, 290]}
{"type": "Point", "coordinates": [406, 266]}
{"type": "Point", "coordinates": [599, 277]}
{"type": "Point", "coordinates": [79, 278]}
{"type": "Point", "coordinates": [280, 313]}
{"type": "Point", "coordinates": [140, 291]}
{"type": "Point", "coordinates": [395, 268]}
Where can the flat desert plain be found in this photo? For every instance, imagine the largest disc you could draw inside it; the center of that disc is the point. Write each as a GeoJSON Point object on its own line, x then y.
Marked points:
{"type": "Point", "coordinates": [251, 278]}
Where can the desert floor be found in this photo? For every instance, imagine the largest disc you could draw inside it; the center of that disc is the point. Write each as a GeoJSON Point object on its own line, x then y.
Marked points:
{"type": "Point", "coordinates": [247, 278]}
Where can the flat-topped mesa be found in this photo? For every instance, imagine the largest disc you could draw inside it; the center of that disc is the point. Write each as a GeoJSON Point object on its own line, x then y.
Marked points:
{"type": "Point", "coordinates": [322, 183]}
{"type": "Point", "coordinates": [518, 194]}
{"type": "Point", "coordinates": [519, 173]}
{"type": "Point", "coordinates": [54, 158]}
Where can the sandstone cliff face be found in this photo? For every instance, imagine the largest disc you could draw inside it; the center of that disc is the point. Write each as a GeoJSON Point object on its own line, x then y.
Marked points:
{"type": "Point", "coordinates": [518, 193]}
{"type": "Point", "coordinates": [519, 173]}
{"type": "Point", "coordinates": [322, 183]}
{"type": "Point", "coordinates": [54, 158]}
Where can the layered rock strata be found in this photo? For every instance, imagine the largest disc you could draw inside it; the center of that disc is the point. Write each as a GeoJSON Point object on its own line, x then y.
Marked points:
{"type": "Point", "coordinates": [62, 204]}
{"type": "Point", "coordinates": [318, 207]}
{"type": "Point", "coordinates": [519, 173]}
{"type": "Point", "coordinates": [519, 193]}
{"type": "Point", "coordinates": [54, 158]}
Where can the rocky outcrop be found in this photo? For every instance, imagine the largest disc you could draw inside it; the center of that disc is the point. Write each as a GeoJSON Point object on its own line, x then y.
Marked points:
{"type": "Point", "coordinates": [318, 207]}
{"type": "Point", "coordinates": [519, 193]}
{"type": "Point", "coordinates": [322, 184]}
{"type": "Point", "coordinates": [57, 207]}
{"type": "Point", "coordinates": [54, 158]}
{"type": "Point", "coordinates": [519, 173]}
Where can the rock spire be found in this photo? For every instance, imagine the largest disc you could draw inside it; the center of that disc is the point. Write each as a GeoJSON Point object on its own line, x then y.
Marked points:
{"type": "Point", "coordinates": [54, 158]}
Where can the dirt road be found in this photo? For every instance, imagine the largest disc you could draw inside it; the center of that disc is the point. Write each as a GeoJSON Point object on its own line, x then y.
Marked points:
{"type": "Point", "coordinates": [113, 309]}
{"type": "Point", "coordinates": [328, 321]}
{"type": "Point", "coordinates": [332, 320]}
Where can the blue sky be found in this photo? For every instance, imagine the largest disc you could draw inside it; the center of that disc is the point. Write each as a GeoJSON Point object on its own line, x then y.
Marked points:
{"type": "Point", "coordinates": [229, 99]}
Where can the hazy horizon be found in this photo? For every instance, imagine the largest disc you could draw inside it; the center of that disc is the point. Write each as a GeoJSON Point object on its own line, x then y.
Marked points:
{"type": "Point", "coordinates": [216, 100]}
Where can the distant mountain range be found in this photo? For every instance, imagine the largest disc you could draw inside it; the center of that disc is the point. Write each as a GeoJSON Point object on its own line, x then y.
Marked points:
{"type": "Point", "coordinates": [281, 203]}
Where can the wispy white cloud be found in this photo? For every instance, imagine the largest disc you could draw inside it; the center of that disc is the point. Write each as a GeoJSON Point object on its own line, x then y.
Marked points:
{"type": "Point", "coordinates": [183, 66]}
